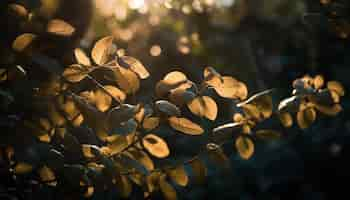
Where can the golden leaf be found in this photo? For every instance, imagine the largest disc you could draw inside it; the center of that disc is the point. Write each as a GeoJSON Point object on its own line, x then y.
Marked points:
{"type": "Point", "coordinates": [23, 41]}
{"type": "Point", "coordinates": [156, 146]}
{"type": "Point", "coordinates": [60, 27]}
{"type": "Point", "coordinates": [23, 168]}
{"type": "Point", "coordinates": [230, 88]}
{"type": "Point", "coordinates": [185, 126]}
{"type": "Point", "coordinates": [329, 110]}
{"type": "Point", "coordinates": [127, 80]}
{"type": "Point", "coordinates": [102, 50]}
{"type": "Point", "coordinates": [204, 106]}
{"type": "Point", "coordinates": [306, 117]}
{"type": "Point", "coordinates": [135, 65]}
{"type": "Point", "coordinates": [286, 119]}
{"type": "Point", "coordinates": [75, 73]}
{"type": "Point", "coordinates": [18, 9]}
{"type": "Point", "coordinates": [199, 170]}
{"type": "Point", "coordinates": [118, 145]}
{"type": "Point", "coordinates": [175, 77]}
{"type": "Point", "coordinates": [337, 87]}
{"type": "Point", "coordinates": [168, 191]}
{"type": "Point", "coordinates": [81, 57]}
{"type": "Point", "coordinates": [178, 175]}
{"type": "Point", "coordinates": [143, 158]}
{"type": "Point", "coordinates": [89, 192]}
{"type": "Point", "coordinates": [150, 123]}
{"type": "Point", "coordinates": [245, 147]}
{"type": "Point", "coordinates": [318, 81]}
{"type": "Point", "coordinates": [47, 175]}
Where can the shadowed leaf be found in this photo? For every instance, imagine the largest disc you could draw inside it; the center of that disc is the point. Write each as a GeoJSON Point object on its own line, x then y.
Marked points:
{"type": "Point", "coordinates": [22, 42]}
{"type": "Point", "coordinates": [204, 106]}
{"type": "Point", "coordinates": [60, 27]}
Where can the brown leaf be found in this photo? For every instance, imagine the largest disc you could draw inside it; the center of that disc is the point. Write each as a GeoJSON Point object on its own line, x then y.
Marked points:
{"type": "Point", "coordinates": [185, 126]}
{"type": "Point", "coordinates": [23, 168]}
{"type": "Point", "coordinates": [127, 80]}
{"type": "Point", "coordinates": [150, 123]}
{"type": "Point", "coordinates": [178, 175]}
{"type": "Point", "coordinates": [181, 96]}
{"type": "Point", "coordinates": [47, 175]}
{"type": "Point", "coordinates": [156, 146]}
{"type": "Point", "coordinates": [135, 65]}
{"type": "Point", "coordinates": [175, 77]}
{"type": "Point", "coordinates": [18, 10]}
{"type": "Point", "coordinates": [204, 106]}
{"type": "Point", "coordinates": [75, 73]}
{"type": "Point", "coordinates": [60, 27]}
{"type": "Point", "coordinates": [337, 87]}
{"type": "Point", "coordinates": [286, 119]}
{"type": "Point", "coordinates": [245, 147]}
{"type": "Point", "coordinates": [23, 42]}
{"type": "Point", "coordinates": [306, 117]}
{"type": "Point", "coordinates": [199, 170]}
{"type": "Point", "coordinates": [103, 100]}
{"type": "Point", "coordinates": [81, 57]}
{"type": "Point", "coordinates": [168, 191]}
{"type": "Point", "coordinates": [102, 50]}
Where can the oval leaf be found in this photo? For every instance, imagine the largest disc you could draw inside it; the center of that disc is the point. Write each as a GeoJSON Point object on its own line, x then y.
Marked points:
{"type": "Point", "coordinates": [22, 42]}
{"type": "Point", "coordinates": [60, 27]}
{"type": "Point", "coordinates": [156, 146]}
{"type": "Point", "coordinates": [185, 126]}
{"type": "Point", "coordinates": [102, 50]}
{"type": "Point", "coordinates": [204, 107]}
{"type": "Point", "coordinates": [81, 57]}
{"type": "Point", "coordinates": [245, 147]}
{"type": "Point", "coordinates": [135, 65]}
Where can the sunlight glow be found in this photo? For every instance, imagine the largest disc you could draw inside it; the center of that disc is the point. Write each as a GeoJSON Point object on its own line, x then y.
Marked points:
{"type": "Point", "coordinates": [136, 4]}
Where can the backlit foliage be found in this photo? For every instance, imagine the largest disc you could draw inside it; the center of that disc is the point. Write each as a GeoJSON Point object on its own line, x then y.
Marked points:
{"type": "Point", "coordinates": [88, 133]}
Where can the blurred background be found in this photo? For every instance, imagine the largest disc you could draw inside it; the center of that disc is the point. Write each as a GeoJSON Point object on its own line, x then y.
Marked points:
{"type": "Point", "coordinates": [264, 43]}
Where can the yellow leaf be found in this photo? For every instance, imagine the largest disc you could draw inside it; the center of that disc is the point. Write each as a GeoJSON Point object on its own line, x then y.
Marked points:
{"type": "Point", "coordinates": [181, 96]}
{"type": "Point", "coordinates": [89, 192]}
{"type": "Point", "coordinates": [75, 73]}
{"type": "Point", "coordinates": [318, 81]}
{"type": "Point", "coordinates": [337, 87]}
{"type": "Point", "coordinates": [286, 119]}
{"type": "Point", "coordinates": [175, 77]}
{"type": "Point", "coordinates": [199, 170]}
{"type": "Point", "coordinates": [127, 80]}
{"type": "Point", "coordinates": [60, 27]}
{"type": "Point", "coordinates": [102, 50]}
{"type": "Point", "coordinates": [135, 65]}
{"type": "Point", "coordinates": [306, 117]}
{"type": "Point", "coordinates": [204, 107]}
{"type": "Point", "coordinates": [230, 88]}
{"type": "Point", "coordinates": [23, 168]}
{"type": "Point", "coordinates": [23, 41]}
{"type": "Point", "coordinates": [118, 145]}
{"type": "Point", "coordinates": [18, 9]}
{"type": "Point", "coordinates": [156, 146]}
{"type": "Point", "coordinates": [185, 126]}
{"type": "Point", "coordinates": [168, 191]}
{"type": "Point", "coordinates": [81, 57]}
{"type": "Point", "coordinates": [150, 123]}
{"type": "Point", "coordinates": [329, 110]}
{"type": "Point", "coordinates": [47, 175]}
{"type": "Point", "coordinates": [179, 175]}
{"type": "Point", "coordinates": [245, 147]}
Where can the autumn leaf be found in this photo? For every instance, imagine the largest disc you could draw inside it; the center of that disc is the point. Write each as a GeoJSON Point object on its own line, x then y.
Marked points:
{"type": "Point", "coordinates": [245, 147]}
{"type": "Point", "coordinates": [135, 65]}
{"type": "Point", "coordinates": [102, 50]}
{"type": "Point", "coordinates": [185, 126]}
{"type": "Point", "coordinates": [81, 57]}
{"type": "Point", "coordinates": [60, 27]}
{"type": "Point", "coordinates": [204, 106]}
{"type": "Point", "coordinates": [23, 42]}
{"type": "Point", "coordinates": [156, 146]}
